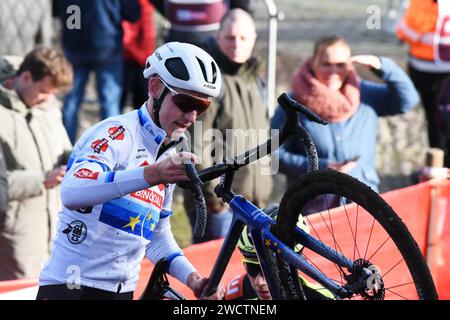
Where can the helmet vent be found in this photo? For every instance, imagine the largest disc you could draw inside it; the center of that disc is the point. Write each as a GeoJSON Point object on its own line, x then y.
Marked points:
{"type": "Point", "coordinates": [214, 70]}
{"type": "Point", "coordinates": [177, 68]}
{"type": "Point", "coordinates": [202, 66]}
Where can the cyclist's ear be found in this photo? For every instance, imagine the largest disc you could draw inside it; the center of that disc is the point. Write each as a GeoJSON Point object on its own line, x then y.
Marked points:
{"type": "Point", "coordinates": [154, 87]}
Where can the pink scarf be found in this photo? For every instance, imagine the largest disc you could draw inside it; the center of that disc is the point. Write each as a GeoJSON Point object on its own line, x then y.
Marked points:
{"type": "Point", "coordinates": [333, 106]}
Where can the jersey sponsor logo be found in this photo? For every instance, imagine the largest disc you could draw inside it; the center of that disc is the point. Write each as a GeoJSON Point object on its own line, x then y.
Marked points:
{"type": "Point", "coordinates": [141, 153]}
{"type": "Point", "coordinates": [86, 210]}
{"type": "Point", "coordinates": [149, 196]}
{"type": "Point", "coordinates": [143, 164]}
{"type": "Point", "coordinates": [161, 186]}
{"type": "Point", "coordinates": [100, 145]}
{"type": "Point", "coordinates": [76, 232]}
{"type": "Point", "coordinates": [94, 157]}
{"type": "Point", "coordinates": [141, 156]}
{"type": "Point", "coordinates": [234, 288]}
{"type": "Point", "coordinates": [86, 174]}
{"type": "Point", "coordinates": [116, 133]}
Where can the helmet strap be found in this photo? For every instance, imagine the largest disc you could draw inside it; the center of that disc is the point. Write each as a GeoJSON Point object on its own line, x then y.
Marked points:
{"type": "Point", "coordinates": [157, 106]}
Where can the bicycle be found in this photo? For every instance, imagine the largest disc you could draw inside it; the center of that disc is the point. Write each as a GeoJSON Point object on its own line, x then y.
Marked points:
{"type": "Point", "coordinates": [354, 269]}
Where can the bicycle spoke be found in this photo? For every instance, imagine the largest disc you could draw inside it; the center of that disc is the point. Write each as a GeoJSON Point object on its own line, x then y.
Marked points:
{"type": "Point", "coordinates": [397, 294]}
{"type": "Point", "coordinates": [370, 236]}
{"type": "Point", "coordinates": [351, 229]}
{"type": "Point", "coordinates": [336, 244]}
{"type": "Point", "coordinates": [310, 261]}
{"type": "Point", "coordinates": [400, 285]}
{"type": "Point", "coordinates": [356, 234]}
{"type": "Point", "coordinates": [384, 275]}
{"type": "Point", "coordinates": [379, 248]}
{"type": "Point", "coordinates": [318, 236]}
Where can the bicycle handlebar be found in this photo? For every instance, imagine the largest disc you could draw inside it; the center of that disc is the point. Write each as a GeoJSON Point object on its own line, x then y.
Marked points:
{"type": "Point", "coordinates": [290, 105]}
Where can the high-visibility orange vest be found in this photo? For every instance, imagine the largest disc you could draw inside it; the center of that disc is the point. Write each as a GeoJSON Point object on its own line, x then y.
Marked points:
{"type": "Point", "coordinates": [418, 26]}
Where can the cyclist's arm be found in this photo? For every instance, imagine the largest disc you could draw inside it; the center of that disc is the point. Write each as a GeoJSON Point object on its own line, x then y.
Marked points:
{"type": "Point", "coordinates": [93, 175]}
{"type": "Point", "coordinates": [164, 245]}
{"type": "Point", "coordinates": [396, 95]}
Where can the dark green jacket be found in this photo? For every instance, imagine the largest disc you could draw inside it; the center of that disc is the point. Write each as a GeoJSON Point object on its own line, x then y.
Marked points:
{"type": "Point", "coordinates": [239, 107]}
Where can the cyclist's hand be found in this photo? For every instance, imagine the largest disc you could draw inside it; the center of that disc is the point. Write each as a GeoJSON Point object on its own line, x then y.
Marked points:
{"type": "Point", "coordinates": [169, 170]}
{"type": "Point", "coordinates": [343, 167]}
{"type": "Point", "coordinates": [368, 61]}
{"type": "Point", "coordinates": [197, 283]}
{"type": "Point", "coordinates": [54, 177]}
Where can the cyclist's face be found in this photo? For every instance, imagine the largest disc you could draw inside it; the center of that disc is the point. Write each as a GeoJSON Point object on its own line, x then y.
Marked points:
{"type": "Point", "coordinates": [257, 281]}
{"type": "Point", "coordinates": [331, 65]}
{"type": "Point", "coordinates": [171, 117]}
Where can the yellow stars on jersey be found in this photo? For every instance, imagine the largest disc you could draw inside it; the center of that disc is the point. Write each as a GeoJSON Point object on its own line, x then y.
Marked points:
{"type": "Point", "coordinates": [132, 223]}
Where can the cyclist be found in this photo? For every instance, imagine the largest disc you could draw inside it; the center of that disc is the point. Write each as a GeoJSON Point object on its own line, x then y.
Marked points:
{"type": "Point", "coordinates": [252, 285]}
{"type": "Point", "coordinates": [117, 191]}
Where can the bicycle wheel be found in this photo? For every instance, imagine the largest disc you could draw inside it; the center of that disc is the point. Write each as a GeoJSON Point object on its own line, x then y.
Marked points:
{"type": "Point", "coordinates": [364, 229]}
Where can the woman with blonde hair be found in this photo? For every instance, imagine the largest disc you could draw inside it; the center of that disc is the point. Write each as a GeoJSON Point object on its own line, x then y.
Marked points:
{"type": "Point", "coordinates": [328, 84]}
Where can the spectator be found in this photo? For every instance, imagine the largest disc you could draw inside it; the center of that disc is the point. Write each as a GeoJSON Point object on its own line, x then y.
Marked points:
{"type": "Point", "coordinates": [35, 148]}
{"type": "Point", "coordinates": [195, 21]}
{"type": "Point", "coordinates": [239, 108]}
{"type": "Point", "coordinates": [23, 25]}
{"type": "Point", "coordinates": [328, 84]}
{"type": "Point", "coordinates": [139, 41]}
{"type": "Point", "coordinates": [3, 185]}
{"type": "Point", "coordinates": [95, 45]}
{"type": "Point", "coordinates": [444, 109]}
{"type": "Point", "coordinates": [418, 29]}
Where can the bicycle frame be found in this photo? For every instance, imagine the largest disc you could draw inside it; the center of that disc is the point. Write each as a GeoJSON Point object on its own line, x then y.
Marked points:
{"type": "Point", "coordinates": [246, 213]}
{"type": "Point", "coordinates": [258, 222]}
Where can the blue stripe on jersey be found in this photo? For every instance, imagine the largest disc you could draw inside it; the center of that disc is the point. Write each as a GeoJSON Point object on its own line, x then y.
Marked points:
{"type": "Point", "coordinates": [101, 164]}
{"type": "Point", "coordinates": [165, 213]}
{"type": "Point", "coordinates": [110, 176]}
{"type": "Point", "coordinates": [70, 162]}
{"type": "Point", "coordinates": [115, 214]}
{"type": "Point", "coordinates": [142, 118]}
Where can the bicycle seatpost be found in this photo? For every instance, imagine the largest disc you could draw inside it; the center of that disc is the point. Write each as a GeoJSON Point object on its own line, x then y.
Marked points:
{"type": "Point", "coordinates": [195, 186]}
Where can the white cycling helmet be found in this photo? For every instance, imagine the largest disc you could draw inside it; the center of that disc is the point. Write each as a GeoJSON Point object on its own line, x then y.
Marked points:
{"type": "Point", "coordinates": [185, 66]}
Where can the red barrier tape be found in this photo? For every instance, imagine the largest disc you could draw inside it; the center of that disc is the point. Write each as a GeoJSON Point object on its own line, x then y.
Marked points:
{"type": "Point", "coordinates": [424, 208]}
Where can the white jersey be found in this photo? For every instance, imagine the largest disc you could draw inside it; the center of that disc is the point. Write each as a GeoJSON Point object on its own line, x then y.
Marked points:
{"type": "Point", "coordinates": [111, 217]}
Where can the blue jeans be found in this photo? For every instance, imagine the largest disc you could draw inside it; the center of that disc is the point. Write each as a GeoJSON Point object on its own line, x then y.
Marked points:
{"type": "Point", "coordinates": [109, 78]}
